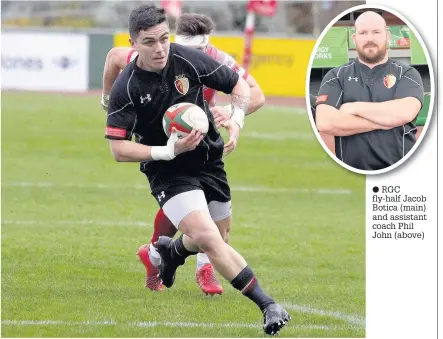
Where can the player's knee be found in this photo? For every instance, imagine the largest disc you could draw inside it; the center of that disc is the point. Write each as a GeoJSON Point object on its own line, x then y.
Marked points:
{"type": "Point", "coordinates": [208, 239]}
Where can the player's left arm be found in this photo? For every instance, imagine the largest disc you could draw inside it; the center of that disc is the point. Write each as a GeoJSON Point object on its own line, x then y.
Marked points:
{"type": "Point", "coordinates": [404, 108]}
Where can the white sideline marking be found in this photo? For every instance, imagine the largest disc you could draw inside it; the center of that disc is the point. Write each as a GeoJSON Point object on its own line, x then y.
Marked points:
{"type": "Point", "coordinates": [146, 187]}
{"type": "Point", "coordinates": [159, 324]}
{"type": "Point", "coordinates": [349, 318]}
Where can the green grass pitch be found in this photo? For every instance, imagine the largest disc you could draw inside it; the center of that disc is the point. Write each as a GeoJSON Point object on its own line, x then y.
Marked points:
{"type": "Point", "coordinates": [73, 219]}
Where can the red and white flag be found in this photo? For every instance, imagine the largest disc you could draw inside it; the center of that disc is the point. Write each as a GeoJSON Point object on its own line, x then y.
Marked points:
{"type": "Point", "coordinates": [260, 7]}
{"type": "Point", "coordinates": [172, 7]}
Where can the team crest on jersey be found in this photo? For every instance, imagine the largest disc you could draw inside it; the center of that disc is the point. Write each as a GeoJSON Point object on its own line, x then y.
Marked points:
{"type": "Point", "coordinates": [389, 80]}
{"type": "Point", "coordinates": [182, 84]}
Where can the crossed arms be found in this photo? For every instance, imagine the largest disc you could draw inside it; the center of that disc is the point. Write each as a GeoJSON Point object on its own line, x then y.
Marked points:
{"type": "Point", "coordinates": [359, 117]}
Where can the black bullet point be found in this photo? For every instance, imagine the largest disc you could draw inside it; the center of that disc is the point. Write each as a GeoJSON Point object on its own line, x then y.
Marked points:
{"type": "Point", "coordinates": [375, 189]}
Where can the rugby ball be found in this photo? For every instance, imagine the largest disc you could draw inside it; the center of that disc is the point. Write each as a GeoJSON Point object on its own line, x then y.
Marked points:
{"type": "Point", "coordinates": [184, 117]}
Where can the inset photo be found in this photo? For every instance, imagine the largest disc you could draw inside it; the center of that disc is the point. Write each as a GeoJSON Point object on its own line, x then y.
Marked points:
{"type": "Point", "coordinates": [370, 87]}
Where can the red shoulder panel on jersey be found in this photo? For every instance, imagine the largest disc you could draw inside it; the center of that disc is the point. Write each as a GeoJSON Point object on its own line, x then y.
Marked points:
{"type": "Point", "coordinates": [322, 98]}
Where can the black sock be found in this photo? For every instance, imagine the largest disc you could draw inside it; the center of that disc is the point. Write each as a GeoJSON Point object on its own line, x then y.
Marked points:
{"type": "Point", "coordinates": [248, 285]}
{"type": "Point", "coordinates": [178, 250]}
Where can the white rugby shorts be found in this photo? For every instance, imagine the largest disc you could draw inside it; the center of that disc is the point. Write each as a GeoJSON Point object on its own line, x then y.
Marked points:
{"type": "Point", "coordinates": [180, 205]}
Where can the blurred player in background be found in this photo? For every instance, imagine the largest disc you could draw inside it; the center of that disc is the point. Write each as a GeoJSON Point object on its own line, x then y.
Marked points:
{"type": "Point", "coordinates": [192, 30]}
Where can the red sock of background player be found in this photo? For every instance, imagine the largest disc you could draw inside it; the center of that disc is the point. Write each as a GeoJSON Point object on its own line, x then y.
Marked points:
{"type": "Point", "coordinates": [162, 226]}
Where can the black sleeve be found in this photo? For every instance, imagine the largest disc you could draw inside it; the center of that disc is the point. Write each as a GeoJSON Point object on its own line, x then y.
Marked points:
{"type": "Point", "coordinates": [330, 91]}
{"type": "Point", "coordinates": [213, 74]}
{"type": "Point", "coordinates": [121, 113]}
{"type": "Point", "coordinates": [410, 85]}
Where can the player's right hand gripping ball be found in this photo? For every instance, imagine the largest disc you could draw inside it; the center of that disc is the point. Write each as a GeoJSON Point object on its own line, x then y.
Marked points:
{"type": "Point", "coordinates": [184, 117]}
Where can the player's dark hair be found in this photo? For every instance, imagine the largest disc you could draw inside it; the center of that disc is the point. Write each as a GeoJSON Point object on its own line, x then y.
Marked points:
{"type": "Point", "coordinates": [194, 24]}
{"type": "Point", "coordinates": [145, 17]}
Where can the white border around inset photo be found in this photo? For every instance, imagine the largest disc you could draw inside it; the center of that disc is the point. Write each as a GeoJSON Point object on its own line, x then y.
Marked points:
{"type": "Point", "coordinates": [431, 104]}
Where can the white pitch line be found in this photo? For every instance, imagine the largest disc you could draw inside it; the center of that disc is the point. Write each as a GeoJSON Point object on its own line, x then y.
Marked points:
{"type": "Point", "coordinates": [162, 324]}
{"type": "Point", "coordinates": [215, 325]}
{"type": "Point", "coordinates": [146, 187]}
{"type": "Point", "coordinates": [349, 318]}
